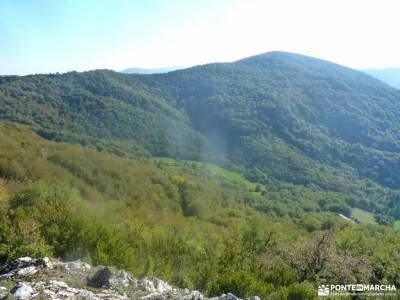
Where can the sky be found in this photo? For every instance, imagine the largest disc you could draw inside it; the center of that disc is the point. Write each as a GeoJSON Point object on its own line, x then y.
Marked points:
{"type": "Point", "coordinates": [48, 36]}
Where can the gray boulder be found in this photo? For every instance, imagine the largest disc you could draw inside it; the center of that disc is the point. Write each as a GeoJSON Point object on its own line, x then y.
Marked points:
{"type": "Point", "coordinates": [101, 278]}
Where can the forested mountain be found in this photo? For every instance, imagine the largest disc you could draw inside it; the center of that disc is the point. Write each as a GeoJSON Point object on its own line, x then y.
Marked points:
{"type": "Point", "coordinates": [390, 75]}
{"type": "Point", "coordinates": [243, 165]}
{"type": "Point", "coordinates": [295, 118]}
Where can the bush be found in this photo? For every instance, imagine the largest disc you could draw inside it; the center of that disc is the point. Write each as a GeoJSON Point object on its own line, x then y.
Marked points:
{"type": "Point", "coordinates": [328, 224]}
{"type": "Point", "coordinates": [301, 291]}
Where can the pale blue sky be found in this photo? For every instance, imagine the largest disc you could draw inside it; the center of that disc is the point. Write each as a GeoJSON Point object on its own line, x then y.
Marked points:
{"type": "Point", "coordinates": [42, 36]}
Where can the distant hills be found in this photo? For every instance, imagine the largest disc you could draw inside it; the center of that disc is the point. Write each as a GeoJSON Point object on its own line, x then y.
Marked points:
{"type": "Point", "coordinates": [151, 71]}
{"type": "Point", "coordinates": [391, 75]}
{"type": "Point", "coordinates": [280, 117]}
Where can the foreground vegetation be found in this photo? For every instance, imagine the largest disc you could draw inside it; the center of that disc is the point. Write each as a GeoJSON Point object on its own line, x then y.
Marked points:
{"type": "Point", "coordinates": [181, 222]}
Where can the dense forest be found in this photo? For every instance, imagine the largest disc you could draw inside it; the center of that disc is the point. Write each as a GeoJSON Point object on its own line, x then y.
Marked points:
{"type": "Point", "coordinates": [183, 223]}
{"type": "Point", "coordinates": [226, 177]}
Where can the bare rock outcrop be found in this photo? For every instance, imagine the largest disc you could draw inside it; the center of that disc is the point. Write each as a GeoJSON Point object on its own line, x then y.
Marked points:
{"type": "Point", "coordinates": [28, 278]}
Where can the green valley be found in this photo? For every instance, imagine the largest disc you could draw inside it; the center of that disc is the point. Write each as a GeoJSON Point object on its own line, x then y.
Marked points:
{"type": "Point", "coordinates": [226, 177]}
{"type": "Point", "coordinates": [168, 220]}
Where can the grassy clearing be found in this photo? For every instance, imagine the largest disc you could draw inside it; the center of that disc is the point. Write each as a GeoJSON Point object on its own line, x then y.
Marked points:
{"type": "Point", "coordinates": [166, 161]}
{"type": "Point", "coordinates": [230, 175]}
{"type": "Point", "coordinates": [363, 216]}
{"type": "Point", "coordinates": [212, 168]}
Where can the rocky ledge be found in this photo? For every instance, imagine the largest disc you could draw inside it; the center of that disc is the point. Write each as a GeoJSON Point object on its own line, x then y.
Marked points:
{"type": "Point", "coordinates": [28, 278]}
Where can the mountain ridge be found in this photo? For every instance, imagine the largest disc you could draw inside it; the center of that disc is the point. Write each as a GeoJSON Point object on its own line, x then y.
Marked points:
{"type": "Point", "coordinates": [151, 70]}
{"type": "Point", "coordinates": [307, 112]}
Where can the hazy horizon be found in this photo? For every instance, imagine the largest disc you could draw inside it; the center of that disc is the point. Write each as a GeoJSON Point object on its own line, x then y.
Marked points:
{"type": "Point", "coordinates": [47, 36]}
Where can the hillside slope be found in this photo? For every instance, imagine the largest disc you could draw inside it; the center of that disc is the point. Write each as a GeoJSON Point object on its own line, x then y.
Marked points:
{"type": "Point", "coordinates": [296, 119]}
{"type": "Point", "coordinates": [180, 222]}
{"type": "Point", "coordinates": [289, 115]}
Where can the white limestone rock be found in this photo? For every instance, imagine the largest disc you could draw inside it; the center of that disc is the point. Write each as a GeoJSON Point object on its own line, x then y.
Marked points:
{"type": "Point", "coordinates": [3, 292]}
{"type": "Point", "coordinates": [23, 291]}
{"type": "Point", "coordinates": [58, 280]}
